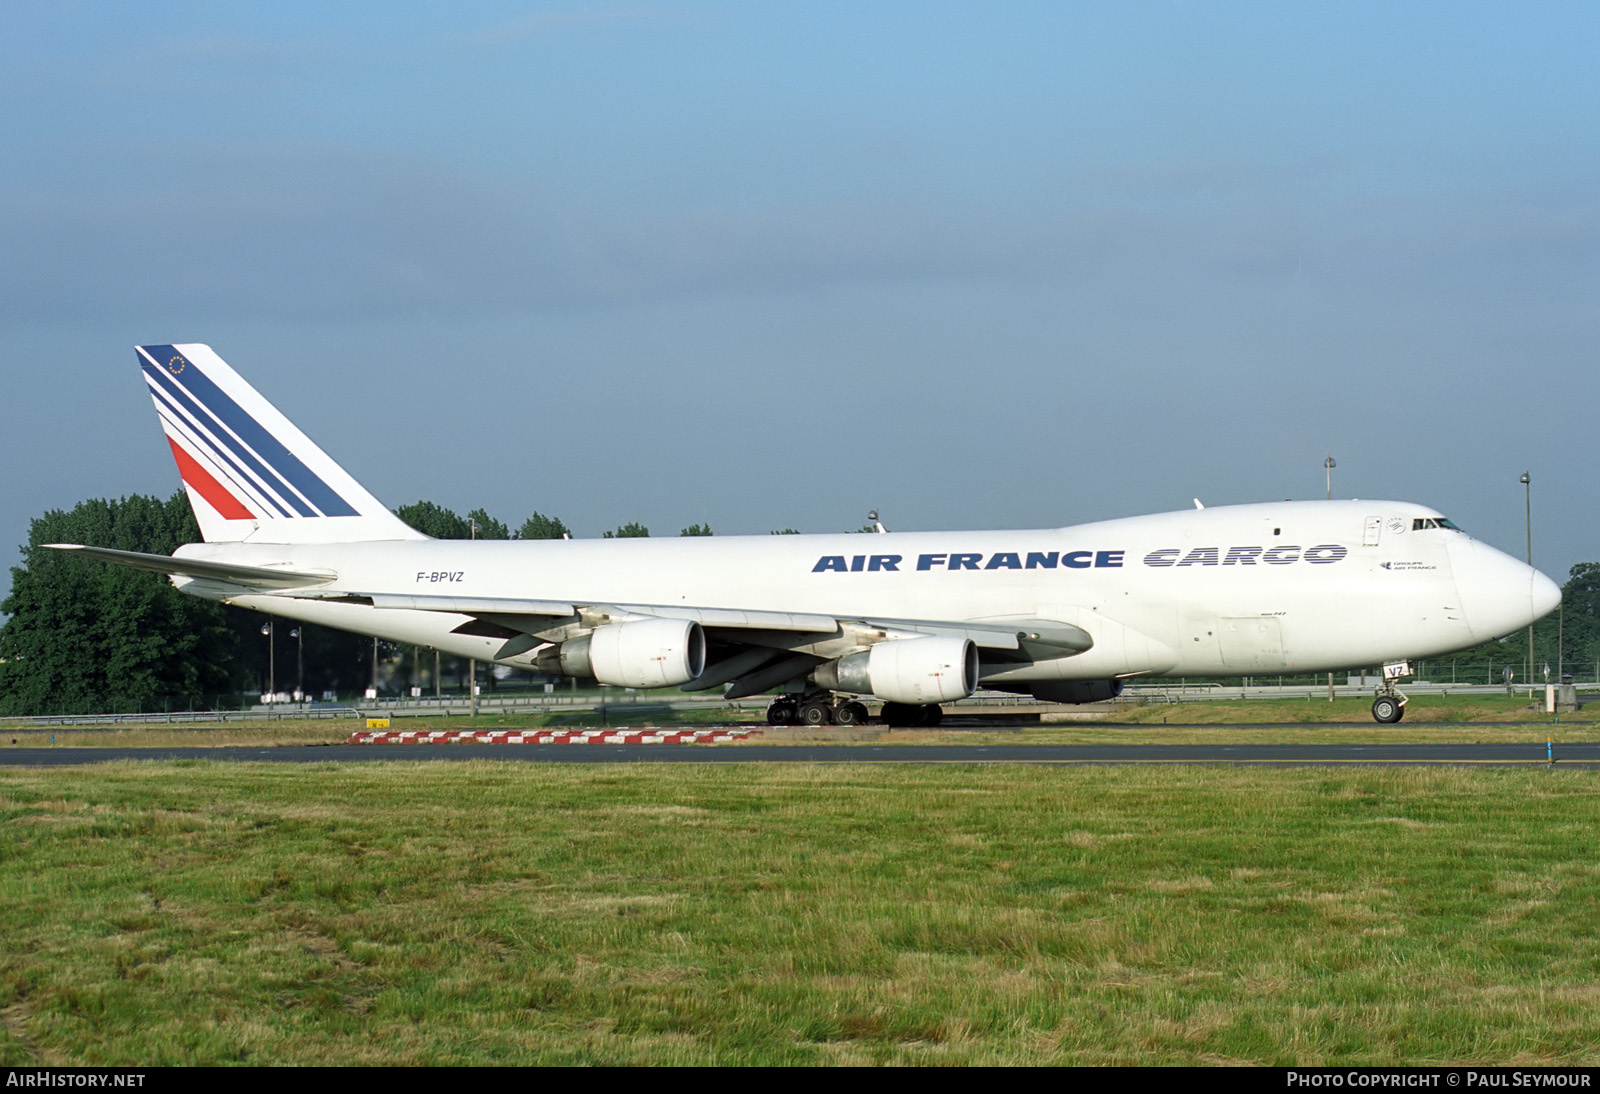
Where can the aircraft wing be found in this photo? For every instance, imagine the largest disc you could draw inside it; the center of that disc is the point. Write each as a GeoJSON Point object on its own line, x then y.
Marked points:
{"type": "Point", "coordinates": [526, 623]}
{"type": "Point", "coordinates": [519, 620]}
{"type": "Point", "coordinates": [1039, 639]}
{"type": "Point", "coordinates": [255, 578]}
{"type": "Point", "coordinates": [537, 610]}
{"type": "Point", "coordinates": [1033, 639]}
{"type": "Point", "coordinates": [991, 634]}
{"type": "Point", "coordinates": [462, 605]}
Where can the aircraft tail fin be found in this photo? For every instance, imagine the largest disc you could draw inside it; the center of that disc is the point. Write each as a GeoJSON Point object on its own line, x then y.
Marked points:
{"type": "Point", "coordinates": [250, 473]}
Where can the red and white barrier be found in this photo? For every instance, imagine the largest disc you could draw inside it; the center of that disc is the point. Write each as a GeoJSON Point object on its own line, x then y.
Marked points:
{"type": "Point", "coordinates": [647, 736]}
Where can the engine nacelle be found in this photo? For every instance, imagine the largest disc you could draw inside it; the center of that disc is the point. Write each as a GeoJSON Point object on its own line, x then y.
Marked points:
{"type": "Point", "coordinates": [935, 669]}
{"type": "Point", "coordinates": [1077, 691]}
{"type": "Point", "coordinates": [641, 653]}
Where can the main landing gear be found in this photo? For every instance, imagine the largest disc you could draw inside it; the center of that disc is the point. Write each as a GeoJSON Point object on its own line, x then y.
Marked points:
{"type": "Point", "coordinates": [815, 709]}
{"type": "Point", "coordinates": [822, 709]}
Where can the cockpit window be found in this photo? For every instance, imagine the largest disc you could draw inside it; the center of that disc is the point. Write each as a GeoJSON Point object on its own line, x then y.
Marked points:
{"type": "Point", "coordinates": [1419, 523]}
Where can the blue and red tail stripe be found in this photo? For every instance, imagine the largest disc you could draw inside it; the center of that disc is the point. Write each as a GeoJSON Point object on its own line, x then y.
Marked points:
{"type": "Point", "coordinates": [203, 483]}
{"type": "Point", "coordinates": [198, 434]}
{"type": "Point", "coordinates": [235, 442]}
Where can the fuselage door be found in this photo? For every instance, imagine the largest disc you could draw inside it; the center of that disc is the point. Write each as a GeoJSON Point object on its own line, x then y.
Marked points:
{"type": "Point", "coordinates": [1254, 642]}
{"type": "Point", "coordinates": [1369, 535]}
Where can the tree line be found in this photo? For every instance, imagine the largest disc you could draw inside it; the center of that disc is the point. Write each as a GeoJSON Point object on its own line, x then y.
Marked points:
{"type": "Point", "coordinates": [83, 637]}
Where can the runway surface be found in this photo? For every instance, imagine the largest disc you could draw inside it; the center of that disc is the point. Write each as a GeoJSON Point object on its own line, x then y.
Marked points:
{"type": "Point", "coordinates": [1585, 755]}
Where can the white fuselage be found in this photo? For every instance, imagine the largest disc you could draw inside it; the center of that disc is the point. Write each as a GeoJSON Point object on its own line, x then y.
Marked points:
{"type": "Point", "coordinates": [1237, 590]}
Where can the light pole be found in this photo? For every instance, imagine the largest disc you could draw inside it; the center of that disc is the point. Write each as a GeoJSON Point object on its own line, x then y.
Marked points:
{"type": "Point", "coordinates": [1527, 498]}
{"type": "Point", "coordinates": [1327, 466]}
{"type": "Point", "coordinates": [299, 665]}
{"type": "Point", "coordinates": [272, 662]}
{"type": "Point", "coordinates": [472, 679]}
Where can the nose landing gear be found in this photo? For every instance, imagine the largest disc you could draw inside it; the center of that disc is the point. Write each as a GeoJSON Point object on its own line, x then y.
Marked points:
{"type": "Point", "coordinates": [1390, 705]}
{"type": "Point", "coordinates": [1388, 708]}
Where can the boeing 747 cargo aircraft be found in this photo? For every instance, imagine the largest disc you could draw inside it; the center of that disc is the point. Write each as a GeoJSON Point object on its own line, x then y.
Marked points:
{"type": "Point", "coordinates": [912, 619]}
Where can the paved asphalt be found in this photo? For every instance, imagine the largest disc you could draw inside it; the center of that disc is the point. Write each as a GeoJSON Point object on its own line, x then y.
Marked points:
{"type": "Point", "coordinates": [1566, 755]}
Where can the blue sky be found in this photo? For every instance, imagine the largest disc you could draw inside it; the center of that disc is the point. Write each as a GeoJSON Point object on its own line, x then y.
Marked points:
{"type": "Point", "coordinates": [764, 265]}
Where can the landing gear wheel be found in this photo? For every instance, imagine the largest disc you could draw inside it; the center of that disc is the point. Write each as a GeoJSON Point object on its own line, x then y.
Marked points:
{"type": "Point", "coordinates": [782, 713]}
{"type": "Point", "coordinates": [849, 713]}
{"type": "Point", "coordinates": [816, 713]}
{"type": "Point", "coordinates": [898, 714]}
{"type": "Point", "coordinates": [912, 714]}
{"type": "Point", "coordinates": [1387, 709]}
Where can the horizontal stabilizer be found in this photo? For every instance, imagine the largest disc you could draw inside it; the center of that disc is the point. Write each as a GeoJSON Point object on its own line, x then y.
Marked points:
{"type": "Point", "coordinates": [251, 577]}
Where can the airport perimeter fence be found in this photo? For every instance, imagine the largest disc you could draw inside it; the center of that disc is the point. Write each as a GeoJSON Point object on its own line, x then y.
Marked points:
{"type": "Point", "coordinates": [1443, 672]}
{"type": "Point", "coordinates": [622, 703]}
{"type": "Point", "coordinates": [1431, 677]}
{"type": "Point", "coordinates": [628, 708]}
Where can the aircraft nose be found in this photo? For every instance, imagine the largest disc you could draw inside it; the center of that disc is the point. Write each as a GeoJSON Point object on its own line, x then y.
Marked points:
{"type": "Point", "coordinates": [1546, 595]}
{"type": "Point", "coordinates": [1500, 594]}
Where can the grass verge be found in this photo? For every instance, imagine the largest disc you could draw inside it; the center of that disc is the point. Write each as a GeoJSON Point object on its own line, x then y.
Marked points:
{"type": "Point", "coordinates": [1316, 709]}
{"type": "Point", "coordinates": [788, 914]}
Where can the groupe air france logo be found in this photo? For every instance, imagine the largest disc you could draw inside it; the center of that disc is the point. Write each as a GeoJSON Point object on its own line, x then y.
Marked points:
{"type": "Point", "coordinates": [176, 365]}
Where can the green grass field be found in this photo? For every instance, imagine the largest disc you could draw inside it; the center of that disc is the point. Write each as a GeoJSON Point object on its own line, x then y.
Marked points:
{"type": "Point", "coordinates": [522, 913]}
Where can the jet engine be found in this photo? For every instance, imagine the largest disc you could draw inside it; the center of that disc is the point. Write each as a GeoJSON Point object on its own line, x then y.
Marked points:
{"type": "Point", "coordinates": [935, 669]}
{"type": "Point", "coordinates": [642, 653]}
{"type": "Point", "coordinates": [1077, 691]}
